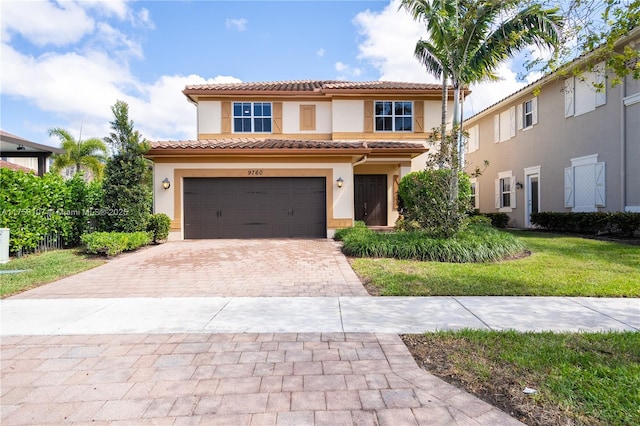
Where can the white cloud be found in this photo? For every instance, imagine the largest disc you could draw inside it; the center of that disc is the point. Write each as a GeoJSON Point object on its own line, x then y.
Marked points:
{"type": "Point", "coordinates": [44, 23]}
{"type": "Point", "coordinates": [320, 53]}
{"type": "Point", "coordinates": [346, 71]}
{"type": "Point", "coordinates": [238, 24]}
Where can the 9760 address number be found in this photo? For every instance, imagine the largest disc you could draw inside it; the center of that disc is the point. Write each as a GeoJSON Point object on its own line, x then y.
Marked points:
{"type": "Point", "coordinates": [255, 172]}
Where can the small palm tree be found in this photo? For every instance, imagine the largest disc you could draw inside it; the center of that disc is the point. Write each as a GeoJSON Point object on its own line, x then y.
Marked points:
{"type": "Point", "coordinates": [90, 153]}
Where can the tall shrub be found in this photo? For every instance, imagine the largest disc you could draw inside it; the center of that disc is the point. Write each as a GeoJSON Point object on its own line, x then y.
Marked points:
{"type": "Point", "coordinates": [425, 202]}
{"type": "Point", "coordinates": [127, 193]}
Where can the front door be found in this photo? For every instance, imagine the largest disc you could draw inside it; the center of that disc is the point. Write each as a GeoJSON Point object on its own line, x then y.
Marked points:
{"type": "Point", "coordinates": [371, 199]}
{"type": "Point", "coordinates": [533, 198]}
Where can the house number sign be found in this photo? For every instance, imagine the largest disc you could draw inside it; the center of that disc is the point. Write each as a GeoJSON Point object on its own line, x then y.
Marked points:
{"type": "Point", "coordinates": [255, 172]}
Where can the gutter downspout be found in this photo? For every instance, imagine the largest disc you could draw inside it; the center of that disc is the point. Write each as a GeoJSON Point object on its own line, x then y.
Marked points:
{"type": "Point", "coordinates": [623, 145]}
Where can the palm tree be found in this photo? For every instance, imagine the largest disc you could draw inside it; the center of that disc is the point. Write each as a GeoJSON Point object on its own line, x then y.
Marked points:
{"type": "Point", "coordinates": [470, 38]}
{"type": "Point", "coordinates": [89, 153]}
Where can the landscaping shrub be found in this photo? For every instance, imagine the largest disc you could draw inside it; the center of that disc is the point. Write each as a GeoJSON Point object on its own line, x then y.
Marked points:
{"type": "Point", "coordinates": [623, 223]}
{"type": "Point", "coordinates": [113, 243]}
{"type": "Point", "coordinates": [476, 243]}
{"type": "Point", "coordinates": [499, 220]}
{"type": "Point", "coordinates": [358, 226]}
{"type": "Point", "coordinates": [159, 226]}
{"type": "Point", "coordinates": [425, 202]}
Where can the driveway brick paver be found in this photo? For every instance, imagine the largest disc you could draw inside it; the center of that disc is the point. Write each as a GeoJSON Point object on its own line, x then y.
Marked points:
{"type": "Point", "coordinates": [222, 268]}
{"type": "Point", "coordinates": [181, 388]}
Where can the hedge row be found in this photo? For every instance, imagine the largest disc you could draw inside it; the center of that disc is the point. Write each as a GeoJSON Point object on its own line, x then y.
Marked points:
{"type": "Point", "coordinates": [113, 243]}
{"type": "Point", "coordinates": [498, 220]}
{"type": "Point", "coordinates": [621, 223]}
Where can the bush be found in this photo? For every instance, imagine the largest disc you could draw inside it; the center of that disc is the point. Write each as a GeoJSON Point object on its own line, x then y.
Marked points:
{"type": "Point", "coordinates": [34, 207]}
{"type": "Point", "coordinates": [623, 223]}
{"type": "Point", "coordinates": [113, 243]}
{"type": "Point", "coordinates": [499, 220]}
{"type": "Point", "coordinates": [358, 226]}
{"type": "Point", "coordinates": [476, 243]}
{"type": "Point", "coordinates": [159, 226]}
{"type": "Point", "coordinates": [426, 205]}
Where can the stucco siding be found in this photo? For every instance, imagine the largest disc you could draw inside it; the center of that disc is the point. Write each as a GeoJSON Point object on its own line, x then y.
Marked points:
{"type": "Point", "coordinates": [291, 117]}
{"type": "Point", "coordinates": [348, 116]}
{"type": "Point", "coordinates": [551, 143]}
{"type": "Point", "coordinates": [209, 117]}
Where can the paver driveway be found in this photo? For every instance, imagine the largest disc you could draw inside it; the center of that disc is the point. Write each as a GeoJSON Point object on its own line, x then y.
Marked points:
{"type": "Point", "coordinates": [224, 268]}
{"type": "Point", "coordinates": [181, 378]}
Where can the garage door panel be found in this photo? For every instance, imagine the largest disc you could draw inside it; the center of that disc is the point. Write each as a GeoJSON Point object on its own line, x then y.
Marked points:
{"type": "Point", "coordinates": [255, 207]}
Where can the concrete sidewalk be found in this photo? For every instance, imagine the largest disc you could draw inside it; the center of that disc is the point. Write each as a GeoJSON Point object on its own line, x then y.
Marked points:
{"type": "Point", "coordinates": [24, 317]}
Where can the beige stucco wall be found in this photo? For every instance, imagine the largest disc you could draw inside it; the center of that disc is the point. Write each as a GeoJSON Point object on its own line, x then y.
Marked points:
{"type": "Point", "coordinates": [340, 211]}
{"type": "Point", "coordinates": [348, 115]}
{"type": "Point", "coordinates": [550, 144]}
{"type": "Point", "coordinates": [632, 146]}
{"type": "Point", "coordinates": [433, 115]}
{"type": "Point", "coordinates": [209, 117]}
{"type": "Point", "coordinates": [291, 117]}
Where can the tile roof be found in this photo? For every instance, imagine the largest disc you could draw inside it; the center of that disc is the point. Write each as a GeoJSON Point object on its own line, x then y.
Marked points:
{"type": "Point", "coordinates": [243, 145]}
{"type": "Point", "coordinates": [310, 86]}
{"type": "Point", "coordinates": [15, 167]}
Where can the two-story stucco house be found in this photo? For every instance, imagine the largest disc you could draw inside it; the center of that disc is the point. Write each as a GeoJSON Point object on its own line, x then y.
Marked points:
{"type": "Point", "coordinates": [561, 145]}
{"type": "Point", "coordinates": [293, 158]}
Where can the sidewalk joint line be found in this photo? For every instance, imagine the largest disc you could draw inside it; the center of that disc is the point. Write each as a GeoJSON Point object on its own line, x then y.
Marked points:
{"type": "Point", "coordinates": [218, 313]}
{"type": "Point", "coordinates": [469, 310]}
{"type": "Point", "coordinates": [574, 300]}
{"type": "Point", "coordinates": [340, 311]}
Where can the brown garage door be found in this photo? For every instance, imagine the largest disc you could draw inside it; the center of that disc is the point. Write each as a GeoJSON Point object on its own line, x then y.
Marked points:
{"type": "Point", "coordinates": [267, 207]}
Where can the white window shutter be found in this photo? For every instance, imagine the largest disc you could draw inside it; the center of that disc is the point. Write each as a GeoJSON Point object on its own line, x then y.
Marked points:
{"type": "Point", "coordinates": [600, 80]}
{"type": "Point", "coordinates": [600, 185]}
{"type": "Point", "coordinates": [534, 109]}
{"type": "Point", "coordinates": [519, 116]}
{"type": "Point", "coordinates": [513, 192]}
{"type": "Point", "coordinates": [568, 187]}
{"type": "Point", "coordinates": [498, 194]}
{"type": "Point", "coordinates": [512, 122]}
{"type": "Point", "coordinates": [569, 91]}
{"type": "Point", "coordinates": [496, 128]}
{"type": "Point", "coordinates": [477, 204]}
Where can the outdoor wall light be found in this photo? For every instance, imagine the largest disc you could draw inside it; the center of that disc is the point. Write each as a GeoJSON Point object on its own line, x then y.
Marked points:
{"type": "Point", "coordinates": [340, 182]}
{"type": "Point", "coordinates": [21, 148]}
{"type": "Point", "coordinates": [518, 185]}
{"type": "Point", "coordinates": [166, 184]}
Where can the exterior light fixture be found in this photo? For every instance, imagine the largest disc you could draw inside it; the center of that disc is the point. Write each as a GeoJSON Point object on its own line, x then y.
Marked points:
{"type": "Point", "coordinates": [166, 184]}
{"type": "Point", "coordinates": [518, 185]}
{"type": "Point", "coordinates": [21, 148]}
{"type": "Point", "coordinates": [340, 182]}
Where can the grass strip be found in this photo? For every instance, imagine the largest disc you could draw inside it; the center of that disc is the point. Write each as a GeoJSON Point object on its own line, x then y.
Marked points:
{"type": "Point", "coordinates": [581, 378]}
{"type": "Point", "coordinates": [559, 265]}
{"type": "Point", "coordinates": [43, 268]}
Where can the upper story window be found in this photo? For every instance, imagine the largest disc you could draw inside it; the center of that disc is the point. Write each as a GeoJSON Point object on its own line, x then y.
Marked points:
{"type": "Point", "coordinates": [252, 117]}
{"type": "Point", "coordinates": [394, 116]}
{"type": "Point", "coordinates": [585, 92]}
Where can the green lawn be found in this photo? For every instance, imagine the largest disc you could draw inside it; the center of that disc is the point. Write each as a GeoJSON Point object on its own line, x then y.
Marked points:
{"type": "Point", "coordinates": [559, 265]}
{"type": "Point", "coordinates": [590, 378]}
{"type": "Point", "coordinates": [43, 268]}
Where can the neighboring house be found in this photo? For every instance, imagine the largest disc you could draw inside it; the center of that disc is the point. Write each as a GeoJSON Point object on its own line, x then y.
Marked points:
{"type": "Point", "coordinates": [25, 153]}
{"type": "Point", "coordinates": [15, 167]}
{"type": "Point", "coordinates": [293, 158]}
{"type": "Point", "coordinates": [559, 145]}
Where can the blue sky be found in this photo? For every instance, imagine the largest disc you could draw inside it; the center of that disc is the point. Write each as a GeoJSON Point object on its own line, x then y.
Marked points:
{"type": "Point", "coordinates": [63, 64]}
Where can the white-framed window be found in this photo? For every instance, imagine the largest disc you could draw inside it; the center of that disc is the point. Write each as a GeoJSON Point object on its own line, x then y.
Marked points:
{"type": "Point", "coordinates": [528, 114]}
{"type": "Point", "coordinates": [584, 184]}
{"type": "Point", "coordinates": [475, 194]}
{"type": "Point", "coordinates": [505, 191]}
{"type": "Point", "coordinates": [585, 92]}
{"type": "Point", "coordinates": [504, 125]}
{"type": "Point", "coordinates": [393, 116]}
{"type": "Point", "coordinates": [252, 117]}
{"type": "Point", "coordinates": [473, 143]}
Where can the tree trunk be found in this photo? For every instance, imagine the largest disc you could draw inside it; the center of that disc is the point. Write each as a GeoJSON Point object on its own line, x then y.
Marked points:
{"type": "Point", "coordinates": [443, 125]}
